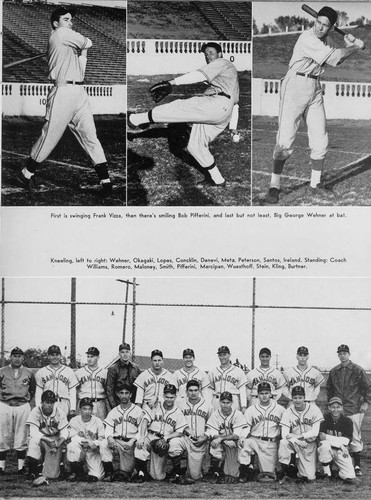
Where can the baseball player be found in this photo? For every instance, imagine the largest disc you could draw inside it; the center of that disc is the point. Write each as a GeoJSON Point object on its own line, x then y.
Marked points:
{"type": "Point", "coordinates": [67, 103]}
{"type": "Point", "coordinates": [191, 372]}
{"type": "Point", "coordinates": [300, 428]}
{"type": "Point", "coordinates": [264, 373]}
{"type": "Point", "coordinates": [335, 434]}
{"type": "Point", "coordinates": [150, 383]}
{"type": "Point", "coordinates": [225, 427]}
{"type": "Point", "coordinates": [263, 435]}
{"type": "Point", "coordinates": [209, 114]}
{"type": "Point", "coordinates": [86, 434]}
{"type": "Point", "coordinates": [197, 412]}
{"type": "Point", "coordinates": [17, 389]}
{"type": "Point", "coordinates": [58, 378]}
{"type": "Point", "coordinates": [303, 375]}
{"type": "Point", "coordinates": [48, 430]}
{"type": "Point", "coordinates": [123, 371]}
{"type": "Point", "coordinates": [351, 384]}
{"type": "Point", "coordinates": [301, 96]}
{"type": "Point", "coordinates": [92, 383]}
{"type": "Point", "coordinates": [122, 429]}
{"type": "Point", "coordinates": [166, 421]}
{"type": "Point", "coordinates": [230, 378]}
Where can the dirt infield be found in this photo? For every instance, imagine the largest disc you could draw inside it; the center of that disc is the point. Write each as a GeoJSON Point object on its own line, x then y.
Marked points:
{"type": "Point", "coordinates": [347, 165]}
{"type": "Point", "coordinates": [67, 177]}
{"type": "Point", "coordinates": [158, 177]}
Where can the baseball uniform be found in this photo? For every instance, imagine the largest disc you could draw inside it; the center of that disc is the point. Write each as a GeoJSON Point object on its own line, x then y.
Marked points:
{"type": "Point", "coordinates": [80, 431]}
{"type": "Point", "coordinates": [183, 376]}
{"type": "Point", "coordinates": [263, 431]}
{"type": "Point", "coordinates": [150, 386]}
{"type": "Point", "coordinates": [62, 382]}
{"type": "Point", "coordinates": [92, 384]}
{"type": "Point", "coordinates": [271, 375]}
{"type": "Point", "coordinates": [337, 434]}
{"type": "Point", "coordinates": [123, 425]}
{"type": "Point", "coordinates": [233, 380]}
{"type": "Point", "coordinates": [161, 422]}
{"type": "Point", "coordinates": [17, 388]}
{"type": "Point", "coordinates": [306, 422]}
{"type": "Point", "coordinates": [310, 379]}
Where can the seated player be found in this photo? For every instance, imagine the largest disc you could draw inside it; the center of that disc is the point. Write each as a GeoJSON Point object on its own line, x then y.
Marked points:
{"type": "Point", "coordinates": [335, 434]}
{"type": "Point", "coordinates": [48, 428]}
{"type": "Point", "coordinates": [86, 433]}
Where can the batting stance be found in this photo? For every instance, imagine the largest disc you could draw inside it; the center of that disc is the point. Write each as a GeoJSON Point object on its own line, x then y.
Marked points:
{"type": "Point", "coordinates": [17, 389]}
{"type": "Point", "coordinates": [301, 96]}
{"type": "Point", "coordinates": [209, 114]}
{"type": "Point", "coordinates": [67, 103]}
{"type": "Point", "coordinates": [86, 434]}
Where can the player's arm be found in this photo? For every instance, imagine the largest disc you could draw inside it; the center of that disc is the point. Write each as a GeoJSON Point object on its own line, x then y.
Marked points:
{"type": "Point", "coordinates": [312, 433]}
{"type": "Point", "coordinates": [366, 391]}
{"type": "Point", "coordinates": [338, 56]}
{"type": "Point", "coordinates": [142, 433]}
{"type": "Point", "coordinates": [38, 394]}
{"type": "Point", "coordinates": [139, 397]}
{"type": "Point", "coordinates": [72, 401]}
{"type": "Point", "coordinates": [110, 387]}
{"type": "Point", "coordinates": [189, 78]}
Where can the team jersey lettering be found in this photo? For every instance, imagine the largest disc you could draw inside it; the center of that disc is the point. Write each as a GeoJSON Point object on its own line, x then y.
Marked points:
{"type": "Point", "coordinates": [60, 377]}
{"type": "Point", "coordinates": [200, 413]}
{"type": "Point", "coordinates": [263, 418]}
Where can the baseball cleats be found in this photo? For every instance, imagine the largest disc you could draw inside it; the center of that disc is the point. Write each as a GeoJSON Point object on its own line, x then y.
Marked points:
{"type": "Point", "coordinates": [320, 191]}
{"type": "Point", "coordinates": [207, 181]}
{"type": "Point", "coordinates": [272, 197]}
{"type": "Point", "coordinates": [357, 470]}
{"type": "Point", "coordinates": [25, 183]}
{"type": "Point", "coordinates": [40, 481]}
{"type": "Point", "coordinates": [92, 479]}
{"type": "Point", "coordinates": [2, 472]}
{"type": "Point", "coordinates": [106, 189]}
{"type": "Point", "coordinates": [265, 478]}
{"type": "Point", "coordinates": [136, 128]}
{"type": "Point", "coordinates": [354, 481]}
{"type": "Point", "coordinates": [183, 480]}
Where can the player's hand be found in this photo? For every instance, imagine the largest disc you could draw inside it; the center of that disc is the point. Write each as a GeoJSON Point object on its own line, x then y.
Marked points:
{"type": "Point", "coordinates": [349, 40]}
{"type": "Point", "coordinates": [230, 444]}
{"type": "Point", "coordinates": [93, 446]}
{"type": "Point", "coordinates": [111, 442]}
{"type": "Point", "coordinates": [344, 449]}
{"type": "Point", "coordinates": [322, 436]}
{"type": "Point", "coordinates": [359, 43]}
{"type": "Point", "coordinates": [364, 407]}
{"type": "Point", "coordinates": [290, 435]}
{"type": "Point", "coordinates": [241, 443]}
{"type": "Point", "coordinates": [215, 443]}
{"type": "Point", "coordinates": [140, 443]}
{"type": "Point", "coordinates": [302, 444]}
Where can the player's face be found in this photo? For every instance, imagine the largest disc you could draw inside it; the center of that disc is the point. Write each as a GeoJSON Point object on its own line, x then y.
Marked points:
{"type": "Point", "coordinates": [169, 399]}
{"type": "Point", "coordinates": [336, 410]}
{"type": "Point", "coordinates": [226, 406]}
{"type": "Point", "coordinates": [264, 396]}
{"type": "Point", "coordinates": [265, 360]}
{"type": "Point", "coordinates": [47, 407]}
{"type": "Point", "coordinates": [224, 358]}
{"type": "Point", "coordinates": [188, 361]}
{"type": "Point", "coordinates": [124, 396]}
{"type": "Point", "coordinates": [157, 362]}
{"type": "Point", "coordinates": [299, 401]}
{"type": "Point", "coordinates": [302, 359]}
{"type": "Point", "coordinates": [91, 360]}
{"type": "Point", "coordinates": [65, 21]}
{"type": "Point", "coordinates": [211, 54]}
{"type": "Point", "coordinates": [321, 27]}
{"type": "Point", "coordinates": [125, 355]}
{"type": "Point", "coordinates": [54, 359]}
{"type": "Point", "coordinates": [344, 356]}
{"type": "Point", "coordinates": [193, 393]}
{"type": "Point", "coordinates": [86, 412]}
{"type": "Point", "coordinates": [16, 360]}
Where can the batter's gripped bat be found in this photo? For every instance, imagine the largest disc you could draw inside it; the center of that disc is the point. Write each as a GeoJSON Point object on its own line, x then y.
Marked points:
{"type": "Point", "coordinates": [313, 13]}
{"type": "Point", "coordinates": [25, 60]}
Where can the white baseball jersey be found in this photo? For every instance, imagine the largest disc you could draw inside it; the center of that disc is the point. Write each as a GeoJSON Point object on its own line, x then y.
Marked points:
{"type": "Point", "coordinates": [264, 421]}
{"type": "Point", "coordinates": [182, 377]}
{"type": "Point", "coordinates": [59, 381]}
{"type": "Point", "coordinates": [92, 383]}
{"type": "Point", "coordinates": [80, 430]}
{"type": "Point", "coordinates": [310, 379]}
{"type": "Point", "coordinates": [300, 422]}
{"type": "Point", "coordinates": [196, 415]}
{"type": "Point", "coordinates": [151, 386]}
{"type": "Point", "coordinates": [231, 380]}
{"type": "Point", "coordinates": [271, 375]}
{"type": "Point", "coordinates": [222, 77]}
{"type": "Point", "coordinates": [223, 425]}
{"type": "Point", "coordinates": [163, 421]}
{"type": "Point", "coordinates": [124, 422]}
{"type": "Point", "coordinates": [51, 425]}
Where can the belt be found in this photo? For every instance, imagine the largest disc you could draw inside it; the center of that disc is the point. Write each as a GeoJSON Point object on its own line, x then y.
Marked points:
{"type": "Point", "coordinates": [224, 95]}
{"type": "Point", "coordinates": [158, 434]}
{"type": "Point", "coordinates": [273, 440]}
{"type": "Point", "coordinates": [69, 82]}
{"type": "Point", "coordinates": [308, 76]}
{"type": "Point", "coordinates": [121, 438]}
{"type": "Point", "coordinates": [96, 400]}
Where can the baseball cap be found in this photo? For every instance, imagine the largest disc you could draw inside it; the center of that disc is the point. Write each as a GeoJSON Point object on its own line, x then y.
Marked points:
{"type": "Point", "coordinates": [223, 349]}
{"type": "Point", "coordinates": [335, 400]}
{"type": "Point", "coordinates": [188, 352]}
{"type": "Point", "coordinates": [265, 350]}
{"type": "Point", "coordinates": [124, 347]}
{"type": "Point", "coordinates": [264, 386]}
{"type": "Point", "coordinates": [16, 350]}
{"type": "Point", "coordinates": [94, 351]}
{"type": "Point", "coordinates": [54, 349]}
{"type": "Point", "coordinates": [302, 350]}
{"type": "Point", "coordinates": [343, 347]}
{"type": "Point", "coordinates": [214, 45]}
{"type": "Point", "coordinates": [298, 391]}
{"type": "Point", "coordinates": [226, 395]}
{"type": "Point", "coordinates": [123, 386]}
{"type": "Point", "coordinates": [48, 396]}
{"type": "Point", "coordinates": [86, 402]}
{"type": "Point", "coordinates": [330, 13]}
{"type": "Point", "coordinates": [193, 383]}
{"type": "Point", "coordinates": [170, 388]}
{"type": "Point", "coordinates": [156, 352]}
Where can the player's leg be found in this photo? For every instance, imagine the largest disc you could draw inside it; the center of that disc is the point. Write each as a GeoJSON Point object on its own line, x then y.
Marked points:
{"type": "Point", "coordinates": [284, 466]}
{"type": "Point", "coordinates": [195, 457]}
{"type": "Point", "coordinates": [106, 454]}
{"type": "Point", "coordinates": [34, 457]}
{"type": "Point", "coordinates": [52, 460]}
{"type": "Point", "coordinates": [245, 455]}
{"type": "Point", "coordinates": [141, 456]}
{"type": "Point", "coordinates": [356, 445]}
{"type": "Point", "coordinates": [20, 416]}
{"type": "Point", "coordinates": [95, 466]}
{"type": "Point", "coordinates": [268, 456]}
{"type": "Point", "coordinates": [127, 460]}
{"type": "Point", "coordinates": [6, 433]}
{"type": "Point", "coordinates": [345, 465]}
{"type": "Point", "coordinates": [307, 461]}
{"type": "Point", "coordinates": [74, 457]}
{"type": "Point", "coordinates": [217, 455]}
{"type": "Point", "coordinates": [231, 465]}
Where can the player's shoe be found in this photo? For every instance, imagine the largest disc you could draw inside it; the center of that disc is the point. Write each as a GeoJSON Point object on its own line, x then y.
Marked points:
{"type": "Point", "coordinates": [40, 481]}
{"type": "Point", "coordinates": [207, 181]}
{"type": "Point", "coordinates": [272, 197]}
{"type": "Point", "coordinates": [91, 479]}
{"type": "Point", "coordinates": [122, 476]}
{"type": "Point", "coordinates": [354, 481]}
{"type": "Point", "coordinates": [358, 471]}
{"type": "Point", "coordinates": [320, 191]}
{"type": "Point", "coordinates": [2, 472]}
{"type": "Point", "coordinates": [136, 128]}
{"type": "Point", "coordinates": [265, 478]}
{"type": "Point", "coordinates": [142, 477]}
{"type": "Point", "coordinates": [301, 480]}
{"type": "Point", "coordinates": [22, 181]}
{"type": "Point", "coordinates": [106, 189]}
{"type": "Point", "coordinates": [22, 472]}
{"type": "Point", "coordinates": [73, 478]}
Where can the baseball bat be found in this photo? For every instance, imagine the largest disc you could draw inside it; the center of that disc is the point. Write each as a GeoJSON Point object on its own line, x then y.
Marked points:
{"type": "Point", "coordinates": [25, 60]}
{"type": "Point", "coordinates": [313, 13]}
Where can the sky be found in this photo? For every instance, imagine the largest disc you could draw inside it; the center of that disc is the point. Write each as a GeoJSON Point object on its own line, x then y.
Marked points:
{"type": "Point", "coordinates": [105, 3]}
{"type": "Point", "coordinates": [267, 12]}
{"type": "Point", "coordinates": [204, 329]}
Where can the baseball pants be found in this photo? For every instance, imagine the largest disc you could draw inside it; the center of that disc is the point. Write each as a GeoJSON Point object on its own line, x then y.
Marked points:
{"type": "Point", "coordinates": [327, 454]}
{"type": "Point", "coordinates": [157, 467]}
{"type": "Point", "coordinates": [126, 454]}
{"type": "Point", "coordinates": [38, 449]}
{"type": "Point", "coordinates": [230, 457]}
{"type": "Point", "coordinates": [306, 457]}
{"type": "Point", "coordinates": [99, 409]}
{"type": "Point", "coordinates": [76, 453]}
{"type": "Point", "coordinates": [356, 444]}
{"type": "Point", "coordinates": [267, 452]}
{"type": "Point", "coordinates": [301, 97]}
{"type": "Point", "coordinates": [13, 430]}
{"type": "Point", "coordinates": [195, 455]}
{"type": "Point", "coordinates": [68, 105]}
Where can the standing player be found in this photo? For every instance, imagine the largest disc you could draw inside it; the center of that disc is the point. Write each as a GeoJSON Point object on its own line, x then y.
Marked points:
{"type": "Point", "coordinates": [17, 389]}
{"type": "Point", "coordinates": [67, 103]}
{"type": "Point", "coordinates": [228, 377]}
{"type": "Point", "coordinates": [225, 427]}
{"type": "Point", "coordinates": [57, 378]}
{"type": "Point", "coordinates": [123, 371]}
{"type": "Point", "coordinates": [122, 429]}
{"type": "Point", "coordinates": [191, 372]}
{"type": "Point", "coordinates": [209, 114]}
{"type": "Point", "coordinates": [264, 373]}
{"type": "Point", "coordinates": [165, 421]}
{"type": "Point", "coordinates": [301, 96]}
{"type": "Point", "coordinates": [350, 383]}
{"type": "Point", "coordinates": [150, 383]}
{"type": "Point", "coordinates": [300, 428]}
{"type": "Point", "coordinates": [335, 434]}
{"type": "Point", "coordinates": [86, 434]}
{"type": "Point", "coordinates": [92, 383]}
{"type": "Point", "coordinates": [303, 375]}
{"type": "Point", "coordinates": [263, 435]}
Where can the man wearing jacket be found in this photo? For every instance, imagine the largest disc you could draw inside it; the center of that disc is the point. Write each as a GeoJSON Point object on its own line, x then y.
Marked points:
{"type": "Point", "coordinates": [123, 371]}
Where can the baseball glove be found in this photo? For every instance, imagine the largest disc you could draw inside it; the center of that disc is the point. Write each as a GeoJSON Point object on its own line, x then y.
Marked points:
{"type": "Point", "coordinates": [160, 447]}
{"type": "Point", "coordinates": [160, 90]}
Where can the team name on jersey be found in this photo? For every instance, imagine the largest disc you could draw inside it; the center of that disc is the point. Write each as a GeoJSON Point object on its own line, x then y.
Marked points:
{"type": "Point", "coordinates": [306, 421]}
{"type": "Point", "coordinates": [298, 379]}
{"type": "Point", "coordinates": [167, 420]}
{"type": "Point", "coordinates": [228, 378]}
{"type": "Point", "coordinates": [200, 413]}
{"type": "Point", "coordinates": [89, 434]}
{"type": "Point", "coordinates": [262, 418]}
{"type": "Point", "coordinates": [152, 380]}
{"type": "Point", "coordinates": [129, 419]}
{"type": "Point", "coordinates": [226, 427]}
{"type": "Point", "coordinates": [89, 378]}
{"type": "Point", "coordinates": [52, 426]}
{"type": "Point", "coordinates": [184, 380]}
{"type": "Point", "coordinates": [60, 377]}
{"type": "Point", "coordinates": [264, 378]}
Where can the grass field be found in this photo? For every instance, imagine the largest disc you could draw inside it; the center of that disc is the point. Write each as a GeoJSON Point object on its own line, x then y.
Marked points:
{"type": "Point", "coordinates": [158, 177]}
{"type": "Point", "coordinates": [66, 177]}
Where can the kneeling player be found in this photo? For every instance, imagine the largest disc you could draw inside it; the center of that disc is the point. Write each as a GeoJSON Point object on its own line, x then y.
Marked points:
{"type": "Point", "coordinates": [48, 429]}
{"type": "Point", "coordinates": [86, 433]}
{"type": "Point", "coordinates": [335, 435]}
